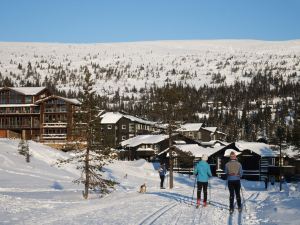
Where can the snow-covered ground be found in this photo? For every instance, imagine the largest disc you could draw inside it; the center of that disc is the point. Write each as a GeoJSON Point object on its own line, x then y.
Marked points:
{"type": "Point", "coordinates": [41, 193]}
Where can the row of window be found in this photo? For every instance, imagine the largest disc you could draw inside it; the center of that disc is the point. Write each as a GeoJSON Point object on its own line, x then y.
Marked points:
{"type": "Point", "coordinates": [131, 127]}
{"type": "Point", "coordinates": [20, 110]}
{"type": "Point", "coordinates": [55, 102]}
{"type": "Point", "coordinates": [55, 131]}
{"type": "Point", "coordinates": [55, 118]}
{"type": "Point", "coordinates": [51, 109]}
{"type": "Point", "coordinates": [18, 122]}
{"type": "Point", "coordinates": [109, 127]}
{"type": "Point", "coordinates": [14, 98]}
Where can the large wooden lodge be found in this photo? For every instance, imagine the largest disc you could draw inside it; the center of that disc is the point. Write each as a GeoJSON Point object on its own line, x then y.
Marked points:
{"type": "Point", "coordinates": [35, 113]}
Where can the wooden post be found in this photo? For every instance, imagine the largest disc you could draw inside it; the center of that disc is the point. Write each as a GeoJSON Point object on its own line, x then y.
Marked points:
{"type": "Point", "coordinates": [170, 155]}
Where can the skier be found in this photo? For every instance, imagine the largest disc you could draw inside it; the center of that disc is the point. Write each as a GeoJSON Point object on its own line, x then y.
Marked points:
{"type": "Point", "coordinates": [162, 173]}
{"type": "Point", "coordinates": [234, 172]}
{"type": "Point", "coordinates": [203, 172]}
{"type": "Point", "coordinates": [266, 180]}
{"type": "Point", "coordinates": [272, 180]}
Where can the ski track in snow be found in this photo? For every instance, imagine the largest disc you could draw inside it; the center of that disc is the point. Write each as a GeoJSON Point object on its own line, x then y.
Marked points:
{"type": "Point", "coordinates": [38, 193]}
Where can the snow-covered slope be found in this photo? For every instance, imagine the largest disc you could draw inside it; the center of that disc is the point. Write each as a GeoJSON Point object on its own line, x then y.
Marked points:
{"type": "Point", "coordinates": [123, 66]}
{"type": "Point", "coordinates": [38, 193]}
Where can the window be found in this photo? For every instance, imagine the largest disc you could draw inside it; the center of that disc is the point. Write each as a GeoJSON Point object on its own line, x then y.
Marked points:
{"type": "Point", "coordinates": [15, 98]}
{"type": "Point", "coordinates": [123, 127]}
{"type": "Point", "coordinates": [28, 99]}
{"type": "Point", "coordinates": [109, 127]}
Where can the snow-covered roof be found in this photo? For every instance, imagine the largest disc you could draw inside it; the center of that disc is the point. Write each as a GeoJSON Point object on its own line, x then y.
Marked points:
{"type": "Point", "coordinates": [179, 142]}
{"type": "Point", "coordinates": [213, 143]}
{"type": "Point", "coordinates": [16, 105]}
{"type": "Point", "coordinates": [27, 90]}
{"type": "Point", "coordinates": [110, 117]}
{"type": "Point", "coordinates": [139, 120]}
{"type": "Point", "coordinates": [210, 129]}
{"type": "Point", "coordinates": [144, 139]}
{"type": "Point", "coordinates": [195, 149]}
{"type": "Point", "coordinates": [190, 127]}
{"type": "Point", "coordinates": [114, 117]}
{"type": "Point", "coordinates": [261, 149]}
{"type": "Point", "coordinates": [145, 150]}
{"type": "Point", "coordinates": [290, 151]}
{"type": "Point", "coordinates": [71, 100]}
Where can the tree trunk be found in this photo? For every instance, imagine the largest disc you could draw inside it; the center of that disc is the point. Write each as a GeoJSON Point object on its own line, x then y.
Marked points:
{"type": "Point", "coordinates": [87, 174]}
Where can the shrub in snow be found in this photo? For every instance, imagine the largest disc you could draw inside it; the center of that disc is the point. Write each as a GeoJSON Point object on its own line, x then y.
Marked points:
{"type": "Point", "coordinates": [23, 149]}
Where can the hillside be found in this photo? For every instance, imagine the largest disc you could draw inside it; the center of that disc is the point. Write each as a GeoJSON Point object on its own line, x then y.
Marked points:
{"type": "Point", "coordinates": [246, 88]}
{"type": "Point", "coordinates": [128, 67]}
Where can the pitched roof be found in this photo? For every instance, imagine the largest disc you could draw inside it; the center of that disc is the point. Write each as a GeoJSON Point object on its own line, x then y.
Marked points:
{"type": "Point", "coordinates": [114, 117]}
{"type": "Point", "coordinates": [27, 90]}
{"type": "Point", "coordinates": [261, 149]}
{"type": "Point", "coordinates": [110, 117]}
{"type": "Point", "coordinates": [190, 127]}
{"type": "Point", "coordinates": [210, 129]}
{"type": "Point", "coordinates": [71, 100]}
{"type": "Point", "coordinates": [144, 139]}
{"type": "Point", "coordinates": [195, 149]}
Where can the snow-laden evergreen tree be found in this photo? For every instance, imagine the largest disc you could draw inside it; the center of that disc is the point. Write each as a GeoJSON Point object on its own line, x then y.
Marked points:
{"type": "Point", "coordinates": [92, 157]}
{"type": "Point", "coordinates": [23, 149]}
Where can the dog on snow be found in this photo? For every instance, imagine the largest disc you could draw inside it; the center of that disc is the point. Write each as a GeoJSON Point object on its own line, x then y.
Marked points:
{"type": "Point", "coordinates": [143, 188]}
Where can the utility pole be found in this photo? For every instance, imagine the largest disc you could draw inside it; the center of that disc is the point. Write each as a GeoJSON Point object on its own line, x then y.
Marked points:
{"type": "Point", "coordinates": [170, 155]}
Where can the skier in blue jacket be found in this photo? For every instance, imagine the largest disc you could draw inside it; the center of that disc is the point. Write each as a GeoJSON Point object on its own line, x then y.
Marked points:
{"type": "Point", "coordinates": [203, 172]}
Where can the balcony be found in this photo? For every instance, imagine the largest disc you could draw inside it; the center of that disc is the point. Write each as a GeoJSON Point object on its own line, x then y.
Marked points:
{"type": "Point", "coordinates": [14, 126]}
{"type": "Point", "coordinates": [54, 125]}
{"type": "Point", "coordinates": [54, 136]}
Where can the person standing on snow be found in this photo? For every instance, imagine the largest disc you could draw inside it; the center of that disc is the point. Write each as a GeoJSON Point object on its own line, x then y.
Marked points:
{"type": "Point", "coordinates": [234, 172]}
{"type": "Point", "coordinates": [203, 172]}
{"type": "Point", "coordinates": [162, 173]}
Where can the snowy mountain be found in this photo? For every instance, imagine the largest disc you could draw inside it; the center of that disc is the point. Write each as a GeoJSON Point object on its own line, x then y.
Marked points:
{"type": "Point", "coordinates": [41, 193]}
{"type": "Point", "coordinates": [128, 67]}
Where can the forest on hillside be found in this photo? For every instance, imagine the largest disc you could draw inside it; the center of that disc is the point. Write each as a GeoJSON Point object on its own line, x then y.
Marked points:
{"type": "Point", "coordinates": [244, 111]}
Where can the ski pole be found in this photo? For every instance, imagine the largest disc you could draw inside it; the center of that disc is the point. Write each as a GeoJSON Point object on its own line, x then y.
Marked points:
{"type": "Point", "coordinates": [167, 180]}
{"type": "Point", "coordinates": [243, 198]}
{"type": "Point", "coordinates": [209, 189]}
{"type": "Point", "coordinates": [194, 190]}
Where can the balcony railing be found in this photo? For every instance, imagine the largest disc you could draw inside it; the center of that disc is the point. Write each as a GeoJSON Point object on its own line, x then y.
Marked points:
{"type": "Point", "coordinates": [54, 136]}
{"type": "Point", "coordinates": [45, 125]}
{"type": "Point", "coordinates": [14, 126]}
{"type": "Point", "coordinates": [19, 112]}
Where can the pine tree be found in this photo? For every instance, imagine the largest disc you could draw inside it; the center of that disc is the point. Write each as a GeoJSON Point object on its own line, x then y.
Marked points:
{"type": "Point", "coordinates": [93, 157]}
{"type": "Point", "coordinates": [23, 149]}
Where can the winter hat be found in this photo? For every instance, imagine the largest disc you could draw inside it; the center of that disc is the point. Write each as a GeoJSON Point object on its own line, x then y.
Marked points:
{"type": "Point", "coordinates": [204, 157]}
{"type": "Point", "coordinates": [232, 155]}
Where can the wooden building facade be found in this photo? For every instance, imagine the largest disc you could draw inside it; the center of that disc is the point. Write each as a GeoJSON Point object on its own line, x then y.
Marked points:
{"type": "Point", "coordinates": [33, 113]}
{"type": "Point", "coordinates": [117, 127]}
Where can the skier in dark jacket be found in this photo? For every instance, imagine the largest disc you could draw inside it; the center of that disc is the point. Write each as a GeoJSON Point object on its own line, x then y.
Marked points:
{"type": "Point", "coordinates": [162, 173]}
{"type": "Point", "coordinates": [234, 172]}
{"type": "Point", "coordinates": [203, 172]}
